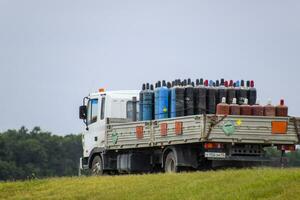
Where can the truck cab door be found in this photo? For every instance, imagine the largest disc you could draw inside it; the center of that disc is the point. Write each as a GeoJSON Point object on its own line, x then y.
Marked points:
{"type": "Point", "coordinates": [95, 131]}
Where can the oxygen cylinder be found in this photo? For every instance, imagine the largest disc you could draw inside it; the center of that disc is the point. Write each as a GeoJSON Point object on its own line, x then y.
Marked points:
{"type": "Point", "coordinates": [216, 86]}
{"type": "Point", "coordinates": [257, 109]}
{"type": "Point", "coordinates": [148, 103]}
{"type": "Point", "coordinates": [156, 100]}
{"type": "Point", "coordinates": [177, 100]}
{"type": "Point", "coordinates": [211, 98]}
{"type": "Point", "coordinates": [245, 108]}
{"type": "Point", "coordinates": [281, 109]}
{"type": "Point", "coordinates": [252, 93]}
{"type": "Point", "coordinates": [234, 108]}
{"type": "Point", "coordinates": [243, 93]}
{"type": "Point", "coordinates": [223, 107]}
{"type": "Point", "coordinates": [222, 91]}
{"type": "Point", "coordinates": [169, 86]}
{"type": "Point", "coordinates": [189, 99]}
{"type": "Point", "coordinates": [141, 102]}
{"type": "Point", "coordinates": [200, 97]}
{"type": "Point", "coordinates": [269, 109]}
{"type": "Point", "coordinates": [230, 92]}
{"type": "Point", "coordinates": [163, 101]}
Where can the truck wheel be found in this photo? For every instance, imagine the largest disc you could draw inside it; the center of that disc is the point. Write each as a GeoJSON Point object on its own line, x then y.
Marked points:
{"type": "Point", "coordinates": [97, 166]}
{"type": "Point", "coordinates": [170, 163]}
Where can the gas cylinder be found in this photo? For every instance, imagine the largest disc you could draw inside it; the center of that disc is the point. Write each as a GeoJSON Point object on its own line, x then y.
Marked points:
{"type": "Point", "coordinates": [200, 97]}
{"type": "Point", "coordinates": [237, 91]}
{"type": "Point", "coordinates": [257, 109]}
{"type": "Point", "coordinates": [148, 97]}
{"type": "Point", "coordinates": [177, 100]}
{"type": "Point", "coordinates": [230, 92]}
{"type": "Point", "coordinates": [163, 101]}
{"type": "Point", "coordinates": [222, 91]}
{"type": "Point", "coordinates": [281, 109]}
{"type": "Point", "coordinates": [223, 107]}
{"type": "Point", "coordinates": [234, 108]}
{"type": "Point", "coordinates": [211, 98]}
{"type": "Point", "coordinates": [245, 108]}
{"type": "Point", "coordinates": [141, 102]}
{"type": "Point", "coordinates": [269, 109]}
{"type": "Point", "coordinates": [189, 99]}
{"type": "Point", "coordinates": [216, 85]}
{"type": "Point", "coordinates": [243, 94]}
{"type": "Point", "coordinates": [252, 93]}
{"type": "Point", "coordinates": [156, 100]}
{"type": "Point", "coordinates": [169, 86]}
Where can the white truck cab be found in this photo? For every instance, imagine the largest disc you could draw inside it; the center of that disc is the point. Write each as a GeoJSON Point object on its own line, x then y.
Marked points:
{"type": "Point", "coordinates": [100, 106]}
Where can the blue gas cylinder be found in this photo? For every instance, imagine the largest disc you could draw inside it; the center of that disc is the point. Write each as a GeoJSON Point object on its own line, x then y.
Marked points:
{"type": "Point", "coordinates": [156, 100]}
{"type": "Point", "coordinates": [163, 101]}
{"type": "Point", "coordinates": [141, 102]}
{"type": "Point", "coordinates": [148, 97]}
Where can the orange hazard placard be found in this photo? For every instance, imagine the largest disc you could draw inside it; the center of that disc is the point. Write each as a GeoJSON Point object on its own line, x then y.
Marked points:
{"type": "Point", "coordinates": [178, 128]}
{"type": "Point", "coordinates": [163, 129]}
{"type": "Point", "coordinates": [139, 131]}
{"type": "Point", "coordinates": [279, 127]}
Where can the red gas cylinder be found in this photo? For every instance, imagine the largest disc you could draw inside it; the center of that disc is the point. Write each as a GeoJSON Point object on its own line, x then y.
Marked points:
{"type": "Point", "coordinates": [234, 108]}
{"type": "Point", "coordinates": [257, 110]}
{"type": "Point", "coordinates": [223, 107]}
{"type": "Point", "coordinates": [269, 109]}
{"type": "Point", "coordinates": [281, 109]}
{"type": "Point", "coordinates": [245, 108]}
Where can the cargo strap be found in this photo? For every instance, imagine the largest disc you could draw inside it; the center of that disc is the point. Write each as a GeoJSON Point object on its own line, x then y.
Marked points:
{"type": "Point", "coordinates": [214, 121]}
{"type": "Point", "coordinates": [294, 119]}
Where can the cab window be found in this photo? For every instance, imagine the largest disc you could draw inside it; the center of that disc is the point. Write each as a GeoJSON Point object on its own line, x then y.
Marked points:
{"type": "Point", "coordinates": [92, 111]}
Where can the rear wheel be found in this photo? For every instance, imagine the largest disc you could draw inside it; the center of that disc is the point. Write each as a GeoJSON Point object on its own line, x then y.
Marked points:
{"type": "Point", "coordinates": [170, 163]}
{"type": "Point", "coordinates": [97, 166]}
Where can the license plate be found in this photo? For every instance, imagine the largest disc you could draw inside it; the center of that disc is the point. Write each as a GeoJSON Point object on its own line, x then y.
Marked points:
{"type": "Point", "coordinates": [214, 155]}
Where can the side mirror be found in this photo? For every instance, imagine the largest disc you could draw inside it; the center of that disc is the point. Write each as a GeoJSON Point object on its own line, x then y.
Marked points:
{"type": "Point", "coordinates": [82, 112]}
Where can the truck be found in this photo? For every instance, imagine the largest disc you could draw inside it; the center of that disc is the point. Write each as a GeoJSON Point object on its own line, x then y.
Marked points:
{"type": "Point", "coordinates": [115, 141]}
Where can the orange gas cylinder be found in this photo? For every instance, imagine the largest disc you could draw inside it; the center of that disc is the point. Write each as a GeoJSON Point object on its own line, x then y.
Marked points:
{"type": "Point", "coordinates": [281, 109]}
{"type": "Point", "coordinates": [257, 110]}
{"type": "Point", "coordinates": [269, 109]}
{"type": "Point", "coordinates": [234, 108]}
{"type": "Point", "coordinates": [245, 108]}
{"type": "Point", "coordinates": [223, 107]}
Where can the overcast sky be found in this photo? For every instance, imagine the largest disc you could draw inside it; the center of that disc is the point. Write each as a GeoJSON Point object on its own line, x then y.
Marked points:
{"type": "Point", "coordinates": [53, 53]}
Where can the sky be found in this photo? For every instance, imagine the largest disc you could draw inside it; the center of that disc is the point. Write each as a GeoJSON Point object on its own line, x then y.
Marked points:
{"type": "Point", "coordinates": [53, 53]}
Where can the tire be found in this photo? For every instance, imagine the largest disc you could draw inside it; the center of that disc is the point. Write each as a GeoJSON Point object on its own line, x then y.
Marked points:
{"type": "Point", "coordinates": [170, 163]}
{"type": "Point", "coordinates": [97, 166]}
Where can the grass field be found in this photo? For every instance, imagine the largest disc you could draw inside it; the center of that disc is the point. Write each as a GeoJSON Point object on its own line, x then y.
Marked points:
{"type": "Point", "coordinates": [228, 184]}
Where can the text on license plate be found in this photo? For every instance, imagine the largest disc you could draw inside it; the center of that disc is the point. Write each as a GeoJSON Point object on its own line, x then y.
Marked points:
{"type": "Point", "coordinates": [214, 155]}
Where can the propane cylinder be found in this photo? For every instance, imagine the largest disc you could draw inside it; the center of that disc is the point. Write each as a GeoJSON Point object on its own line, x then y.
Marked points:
{"type": "Point", "coordinates": [245, 108]}
{"type": "Point", "coordinates": [230, 92]}
{"type": "Point", "coordinates": [281, 109]}
{"type": "Point", "coordinates": [243, 93]}
{"type": "Point", "coordinates": [200, 97]}
{"type": "Point", "coordinates": [257, 109]}
{"type": "Point", "coordinates": [156, 100]}
{"type": "Point", "coordinates": [222, 91]}
{"type": "Point", "coordinates": [177, 100]}
{"type": "Point", "coordinates": [234, 108]}
{"type": "Point", "coordinates": [141, 102]}
{"type": "Point", "coordinates": [148, 97]}
{"type": "Point", "coordinates": [223, 107]}
{"type": "Point", "coordinates": [189, 99]}
{"type": "Point", "coordinates": [211, 98]}
{"type": "Point", "coordinates": [163, 101]}
{"type": "Point", "coordinates": [252, 93]}
{"type": "Point", "coordinates": [269, 109]}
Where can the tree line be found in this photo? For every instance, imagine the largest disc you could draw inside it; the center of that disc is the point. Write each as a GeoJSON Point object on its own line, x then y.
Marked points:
{"type": "Point", "coordinates": [31, 154]}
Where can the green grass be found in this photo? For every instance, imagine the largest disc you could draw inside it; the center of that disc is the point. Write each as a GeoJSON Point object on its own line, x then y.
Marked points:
{"type": "Point", "coordinates": [265, 183]}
